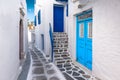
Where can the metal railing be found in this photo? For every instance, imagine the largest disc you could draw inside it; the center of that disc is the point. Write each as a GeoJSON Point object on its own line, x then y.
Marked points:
{"type": "Point", "coordinates": [51, 41]}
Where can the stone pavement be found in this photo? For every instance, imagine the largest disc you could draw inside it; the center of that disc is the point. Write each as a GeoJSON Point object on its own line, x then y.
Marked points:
{"type": "Point", "coordinates": [42, 69]}
{"type": "Point", "coordinates": [63, 67]}
{"type": "Point", "coordinates": [25, 68]}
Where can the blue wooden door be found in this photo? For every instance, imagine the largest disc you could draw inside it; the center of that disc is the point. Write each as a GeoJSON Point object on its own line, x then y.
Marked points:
{"type": "Point", "coordinates": [84, 42]}
{"type": "Point", "coordinates": [81, 42]}
{"type": "Point", "coordinates": [58, 18]}
{"type": "Point", "coordinates": [88, 44]}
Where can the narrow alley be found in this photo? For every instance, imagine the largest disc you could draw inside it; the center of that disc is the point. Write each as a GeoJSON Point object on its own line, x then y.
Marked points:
{"type": "Point", "coordinates": [42, 69]}
{"type": "Point", "coordinates": [59, 40]}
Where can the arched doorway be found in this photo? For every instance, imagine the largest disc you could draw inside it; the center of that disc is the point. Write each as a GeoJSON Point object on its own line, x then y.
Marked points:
{"type": "Point", "coordinates": [21, 52]}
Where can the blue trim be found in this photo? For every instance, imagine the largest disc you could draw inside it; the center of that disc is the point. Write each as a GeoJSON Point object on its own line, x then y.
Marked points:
{"type": "Point", "coordinates": [39, 17]}
{"type": "Point", "coordinates": [51, 40]}
{"type": "Point", "coordinates": [83, 19]}
{"type": "Point", "coordinates": [84, 12]}
{"type": "Point", "coordinates": [67, 10]}
{"type": "Point", "coordinates": [58, 18]}
{"type": "Point", "coordinates": [84, 44]}
{"type": "Point", "coordinates": [76, 39]}
{"type": "Point", "coordinates": [35, 21]}
{"type": "Point", "coordinates": [62, 0]}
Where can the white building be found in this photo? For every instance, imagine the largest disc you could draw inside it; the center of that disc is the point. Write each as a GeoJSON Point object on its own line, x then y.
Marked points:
{"type": "Point", "coordinates": [13, 41]}
{"type": "Point", "coordinates": [45, 9]}
{"type": "Point", "coordinates": [93, 23]}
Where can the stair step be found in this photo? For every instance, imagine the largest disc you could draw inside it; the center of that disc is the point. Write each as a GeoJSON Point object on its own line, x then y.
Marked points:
{"type": "Point", "coordinates": [62, 59]}
{"type": "Point", "coordinates": [56, 49]}
{"type": "Point", "coordinates": [59, 62]}
{"type": "Point", "coordinates": [59, 59]}
{"type": "Point", "coordinates": [60, 48]}
{"type": "Point", "coordinates": [66, 58]}
{"type": "Point", "coordinates": [64, 55]}
{"type": "Point", "coordinates": [58, 53]}
{"type": "Point", "coordinates": [56, 56]}
{"type": "Point", "coordinates": [60, 39]}
{"type": "Point", "coordinates": [60, 43]}
{"type": "Point", "coordinates": [64, 62]}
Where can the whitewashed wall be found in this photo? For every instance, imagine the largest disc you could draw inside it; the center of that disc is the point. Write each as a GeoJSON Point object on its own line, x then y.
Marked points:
{"type": "Point", "coordinates": [9, 41]}
{"type": "Point", "coordinates": [46, 7]}
{"type": "Point", "coordinates": [106, 36]}
{"type": "Point", "coordinates": [23, 5]}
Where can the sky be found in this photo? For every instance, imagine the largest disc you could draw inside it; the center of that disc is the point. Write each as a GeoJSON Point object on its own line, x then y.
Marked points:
{"type": "Point", "coordinates": [30, 10]}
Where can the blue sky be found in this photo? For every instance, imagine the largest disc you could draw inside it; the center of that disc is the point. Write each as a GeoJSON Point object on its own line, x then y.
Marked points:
{"type": "Point", "coordinates": [30, 9]}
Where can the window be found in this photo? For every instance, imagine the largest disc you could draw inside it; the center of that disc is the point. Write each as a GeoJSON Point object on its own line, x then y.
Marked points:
{"type": "Point", "coordinates": [35, 21]}
{"type": "Point", "coordinates": [90, 30]}
{"type": "Point", "coordinates": [39, 17]}
{"type": "Point", "coordinates": [85, 16]}
{"type": "Point", "coordinates": [81, 29]}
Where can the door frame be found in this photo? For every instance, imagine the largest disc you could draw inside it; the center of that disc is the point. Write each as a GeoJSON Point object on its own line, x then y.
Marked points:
{"type": "Point", "coordinates": [21, 35]}
{"type": "Point", "coordinates": [77, 23]}
{"type": "Point", "coordinates": [42, 41]}
{"type": "Point", "coordinates": [59, 5]}
{"type": "Point", "coordinates": [21, 40]}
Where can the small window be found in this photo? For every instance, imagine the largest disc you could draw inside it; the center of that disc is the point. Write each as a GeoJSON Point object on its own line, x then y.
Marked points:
{"type": "Point", "coordinates": [39, 17]}
{"type": "Point", "coordinates": [81, 29]}
{"type": "Point", "coordinates": [35, 23]}
{"type": "Point", "coordinates": [85, 16]}
{"type": "Point", "coordinates": [90, 30]}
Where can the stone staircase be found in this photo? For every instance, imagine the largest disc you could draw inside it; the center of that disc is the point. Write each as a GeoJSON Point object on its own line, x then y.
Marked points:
{"type": "Point", "coordinates": [60, 49]}
{"type": "Point", "coordinates": [63, 60]}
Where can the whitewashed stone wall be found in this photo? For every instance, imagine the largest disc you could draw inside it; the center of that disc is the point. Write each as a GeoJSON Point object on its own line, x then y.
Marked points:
{"type": "Point", "coordinates": [46, 7]}
{"type": "Point", "coordinates": [9, 41]}
{"type": "Point", "coordinates": [106, 39]}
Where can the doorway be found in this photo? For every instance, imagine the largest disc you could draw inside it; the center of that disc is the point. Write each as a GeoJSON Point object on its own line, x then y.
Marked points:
{"type": "Point", "coordinates": [42, 41]}
{"type": "Point", "coordinates": [58, 18]}
{"type": "Point", "coordinates": [21, 52]}
{"type": "Point", "coordinates": [84, 39]}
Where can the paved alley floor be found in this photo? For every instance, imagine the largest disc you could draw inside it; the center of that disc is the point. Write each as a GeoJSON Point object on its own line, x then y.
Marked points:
{"type": "Point", "coordinates": [42, 69]}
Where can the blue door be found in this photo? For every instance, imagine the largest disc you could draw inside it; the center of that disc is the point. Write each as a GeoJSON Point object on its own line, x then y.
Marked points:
{"type": "Point", "coordinates": [42, 41]}
{"type": "Point", "coordinates": [84, 40]}
{"type": "Point", "coordinates": [58, 18]}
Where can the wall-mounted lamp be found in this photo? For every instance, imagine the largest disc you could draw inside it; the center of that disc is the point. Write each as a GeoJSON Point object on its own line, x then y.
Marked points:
{"type": "Point", "coordinates": [82, 3]}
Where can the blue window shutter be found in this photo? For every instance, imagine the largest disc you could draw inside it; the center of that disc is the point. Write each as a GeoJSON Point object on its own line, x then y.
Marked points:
{"type": "Point", "coordinates": [39, 17]}
{"type": "Point", "coordinates": [67, 11]}
{"type": "Point", "coordinates": [35, 21]}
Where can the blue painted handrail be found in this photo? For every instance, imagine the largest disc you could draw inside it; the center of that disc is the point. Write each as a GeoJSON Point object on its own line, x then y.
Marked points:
{"type": "Point", "coordinates": [51, 40]}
